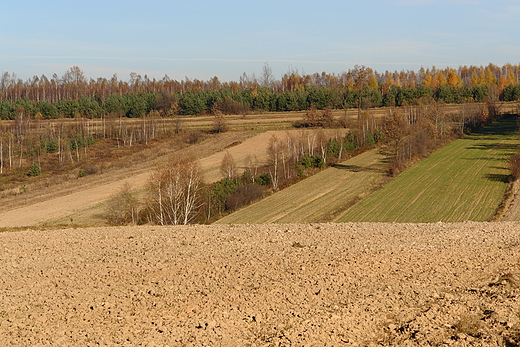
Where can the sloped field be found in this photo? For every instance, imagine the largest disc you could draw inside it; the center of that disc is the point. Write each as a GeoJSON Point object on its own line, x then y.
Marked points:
{"type": "Point", "coordinates": [319, 196]}
{"type": "Point", "coordinates": [465, 180]}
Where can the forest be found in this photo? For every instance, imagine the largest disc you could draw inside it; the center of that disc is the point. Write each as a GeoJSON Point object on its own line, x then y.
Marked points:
{"type": "Point", "coordinates": [73, 95]}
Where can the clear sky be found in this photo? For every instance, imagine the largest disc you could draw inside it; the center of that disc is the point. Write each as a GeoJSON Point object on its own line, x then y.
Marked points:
{"type": "Point", "coordinates": [225, 38]}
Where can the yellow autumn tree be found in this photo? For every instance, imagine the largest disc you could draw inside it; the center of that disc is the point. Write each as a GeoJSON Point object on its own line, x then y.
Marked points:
{"type": "Point", "coordinates": [453, 78]}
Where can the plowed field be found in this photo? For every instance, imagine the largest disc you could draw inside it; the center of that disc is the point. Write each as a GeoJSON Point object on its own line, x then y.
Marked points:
{"type": "Point", "coordinates": [262, 285]}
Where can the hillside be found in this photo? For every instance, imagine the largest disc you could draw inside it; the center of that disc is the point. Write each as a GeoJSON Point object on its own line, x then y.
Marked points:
{"type": "Point", "coordinates": [465, 180]}
{"type": "Point", "coordinates": [262, 285]}
{"type": "Point", "coordinates": [318, 197]}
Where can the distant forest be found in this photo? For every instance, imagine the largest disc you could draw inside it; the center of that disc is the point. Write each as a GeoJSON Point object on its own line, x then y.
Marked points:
{"type": "Point", "coordinates": [73, 95]}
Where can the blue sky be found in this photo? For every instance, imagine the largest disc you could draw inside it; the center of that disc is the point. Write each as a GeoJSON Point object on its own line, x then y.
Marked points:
{"type": "Point", "coordinates": [201, 39]}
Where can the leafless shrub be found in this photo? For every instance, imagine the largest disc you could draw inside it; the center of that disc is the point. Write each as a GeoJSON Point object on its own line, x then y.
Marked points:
{"type": "Point", "coordinates": [91, 169]}
{"type": "Point", "coordinates": [191, 137]}
{"type": "Point", "coordinates": [243, 196]}
{"type": "Point", "coordinates": [122, 207]}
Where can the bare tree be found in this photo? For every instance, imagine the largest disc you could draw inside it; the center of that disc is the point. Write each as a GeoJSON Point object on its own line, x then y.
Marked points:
{"type": "Point", "coordinates": [1, 153]}
{"type": "Point", "coordinates": [228, 167]}
{"type": "Point", "coordinates": [252, 166]}
{"type": "Point", "coordinates": [219, 122]}
{"type": "Point", "coordinates": [175, 192]}
{"type": "Point", "coordinates": [267, 76]}
{"type": "Point", "coordinates": [274, 160]}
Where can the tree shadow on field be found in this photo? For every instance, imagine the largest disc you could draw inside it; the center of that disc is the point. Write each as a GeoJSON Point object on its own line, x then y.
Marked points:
{"type": "Point", "coordinates": [497, 146]}
{"type": "Point", "coordinates": [484, 158]}
{"type": "Point", "coordinates": [506, 126]}
{"type": "Point", "coordinates": [356, 168]}
{"type": "Point", "coordinates": [498, 177]}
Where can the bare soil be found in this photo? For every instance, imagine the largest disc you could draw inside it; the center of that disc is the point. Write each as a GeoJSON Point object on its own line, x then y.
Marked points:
{"type": "Point", "coordinates": [262, 285]}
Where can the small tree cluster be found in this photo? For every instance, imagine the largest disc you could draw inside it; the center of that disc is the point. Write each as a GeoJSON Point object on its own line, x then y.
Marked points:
{"type": "Point", "coordinates": [315, 118]}
{"type": "Point", "coordinates": [27, 140]}
{"type": "Point", "coordinates": [413, 132]}
{"type": "Point", "coordinates": [175, 192]}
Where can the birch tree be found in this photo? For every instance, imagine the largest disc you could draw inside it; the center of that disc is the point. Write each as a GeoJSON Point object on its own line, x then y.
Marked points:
{"type": "Point", "coordinates": [175, 191]}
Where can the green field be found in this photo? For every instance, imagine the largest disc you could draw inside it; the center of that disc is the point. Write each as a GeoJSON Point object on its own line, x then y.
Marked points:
{"type": "Point", "coordinates": [318, 197]}
{"type": "Point", "coordinates": [465, 180]}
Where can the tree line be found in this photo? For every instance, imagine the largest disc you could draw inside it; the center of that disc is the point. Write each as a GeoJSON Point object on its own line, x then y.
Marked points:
{"type": "Point", "coordinates": [72, 94]}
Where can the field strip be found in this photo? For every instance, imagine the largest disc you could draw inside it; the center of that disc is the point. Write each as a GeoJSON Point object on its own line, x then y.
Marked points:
{"type": "Point", "coordinates": [317, 196]}
{"type": "Point", "coordinates": [42, 212]}
{"type": "Point", "coordinates": [465, 180]}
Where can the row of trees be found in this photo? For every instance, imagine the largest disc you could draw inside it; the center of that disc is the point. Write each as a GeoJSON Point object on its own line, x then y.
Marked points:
{"type": "Point", "coordinates": [243, 102]}
{"type": "Point", "coordinates": [73, 84]}
{"type": "Point", "coordinates": [72, 94]}
{"type": "Point", "coordinates": [31, 141]}
{"type": "Point", "coordinates": [128, 105]}
{"type": "Point", "coordinates": [177, 194]}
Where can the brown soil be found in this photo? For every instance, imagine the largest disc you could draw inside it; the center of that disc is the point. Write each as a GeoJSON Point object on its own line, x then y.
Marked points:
{"type": "Point", "coordinates": [262, 285]}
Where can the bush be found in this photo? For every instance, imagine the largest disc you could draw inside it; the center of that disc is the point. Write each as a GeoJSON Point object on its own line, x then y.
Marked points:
{"type": "Point", "coordinates": [264, 179]}
{"type": "Point", "coordinates": [306, 161]}
{"type": "Point", "coordinates": [91, 169]}
{"type": "Point", "coordinates": [318, 161]}
{"type": "Point", "coordinates": [35, 170]}
{"type": "Point", "coordinates": [243, 196]}
{"type": "Point", "coordinates": [122, 208]}
{"type": "Point", "coordinates": [515, 167]}
{"type": "Point", "coordinates": [88, 170]}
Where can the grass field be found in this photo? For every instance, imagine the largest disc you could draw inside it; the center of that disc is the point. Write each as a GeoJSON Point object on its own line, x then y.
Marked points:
{"type": "Point", "coordinates": [318, 197]}
{"type": "Point", "coordinates": [465, 180]}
